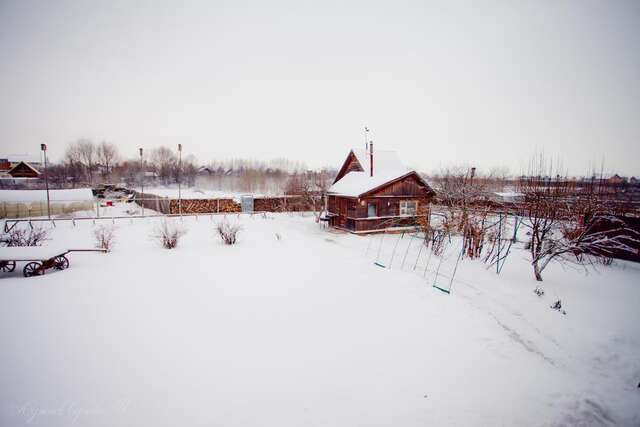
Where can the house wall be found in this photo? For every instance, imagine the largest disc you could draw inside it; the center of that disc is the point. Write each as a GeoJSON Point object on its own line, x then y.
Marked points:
{"type": "Point", "coordinates": [352, 214]}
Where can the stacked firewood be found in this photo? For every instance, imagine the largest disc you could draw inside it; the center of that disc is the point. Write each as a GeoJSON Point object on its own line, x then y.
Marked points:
{"type": "Point", "coordinates": [190, 206]}
{"type": "Point", "coordinates": [269, 204]}
{"type": "Point", "coordinates": [281, 204]}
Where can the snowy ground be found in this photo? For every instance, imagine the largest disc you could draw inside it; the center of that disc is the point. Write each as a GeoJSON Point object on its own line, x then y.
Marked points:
{"type": "Point", "coordinates": [306, 330]}
{"type": "Point", "coordinates": [27, 196]}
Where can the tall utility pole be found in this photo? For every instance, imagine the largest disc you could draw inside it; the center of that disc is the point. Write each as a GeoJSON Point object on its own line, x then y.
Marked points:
{"type": "Point", "coordinates": [43, 147]}
{"type": "Point", "coordinates": [180, 179]}
{"type": "Point", "coordinates": [142, 182]}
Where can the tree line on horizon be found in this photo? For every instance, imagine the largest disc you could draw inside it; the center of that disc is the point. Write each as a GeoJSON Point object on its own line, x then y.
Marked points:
{"type": "Point", "coordinates": [89, 163]}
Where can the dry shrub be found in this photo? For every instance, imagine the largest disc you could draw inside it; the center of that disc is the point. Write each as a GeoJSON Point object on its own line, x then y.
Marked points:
{"type": "Point", "coordinates": [22, 237]}
{"type": "Point", "coordinates": [105, 237]}
{"type": "Point", "coordinates": [167, 232]}
{"type": "Point", "coordinates": [228, 232]}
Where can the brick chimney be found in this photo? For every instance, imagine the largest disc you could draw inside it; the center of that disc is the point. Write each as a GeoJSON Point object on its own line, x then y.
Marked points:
{"type": "Point", "coordinates": [371, 156]}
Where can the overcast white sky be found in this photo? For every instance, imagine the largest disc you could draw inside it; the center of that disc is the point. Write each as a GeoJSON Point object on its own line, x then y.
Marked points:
{"type": "Point", "coordinates": [484, 83]}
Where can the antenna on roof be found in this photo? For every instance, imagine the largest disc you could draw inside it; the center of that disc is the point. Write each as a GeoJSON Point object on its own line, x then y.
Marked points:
{"type": "Point", "coordinates": [366, 131]}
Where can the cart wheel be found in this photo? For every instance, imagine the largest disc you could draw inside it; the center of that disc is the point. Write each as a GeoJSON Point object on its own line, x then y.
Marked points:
{"type": "Point", "coordinates": [33, 269]}
{"type": "Point", "coordinates": [61, 262]}
{"type": "Point", "coordinates": [8, 266]}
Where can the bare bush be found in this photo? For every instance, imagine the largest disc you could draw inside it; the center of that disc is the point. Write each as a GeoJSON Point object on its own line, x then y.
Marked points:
{"type": "Point", "coordinates": [105, 237]}
{"type": "Point", "coordinates": [22, 237]}
{"type": "Point", "coordinates": [168, 233]}
{"type": "Point", "coordinates": [228, 232]}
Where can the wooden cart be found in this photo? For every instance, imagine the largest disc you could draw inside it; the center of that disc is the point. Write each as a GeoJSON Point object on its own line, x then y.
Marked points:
{"type": "Point", "coordinates": [38, 258]}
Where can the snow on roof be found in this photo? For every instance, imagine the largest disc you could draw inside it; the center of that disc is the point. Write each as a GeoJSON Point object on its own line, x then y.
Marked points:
{"type": "Point", "coordinates": [384, 161]}
{"type": "Point", "coordinates": [71, 195]}
{"type": "Point", "coordinates": [29, 165]}
{"type": "Point", "coordinates": [354, 184]}
{"type": "Point", "coordinates": [387, 166]}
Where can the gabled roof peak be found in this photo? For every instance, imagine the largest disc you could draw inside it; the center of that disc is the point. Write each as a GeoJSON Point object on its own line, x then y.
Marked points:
{"type": "Point", "coordinates": [387, 167]}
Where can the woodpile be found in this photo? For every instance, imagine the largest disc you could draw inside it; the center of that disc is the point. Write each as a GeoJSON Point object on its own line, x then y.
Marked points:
{"type": "Point", "coordinates": [281, 204]}
{"type": "Point", "coordinates": [261, 204]}
{"type": "Point", "coordinates": [192, 206]}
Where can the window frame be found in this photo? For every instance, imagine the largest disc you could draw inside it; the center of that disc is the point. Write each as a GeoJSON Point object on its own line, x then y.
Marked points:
{"type": "Point", "coordinates": [403, 207]}
{"type": "Point", "coordinates": [375, 205]}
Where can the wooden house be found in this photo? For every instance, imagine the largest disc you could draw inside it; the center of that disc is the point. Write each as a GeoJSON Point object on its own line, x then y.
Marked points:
{"type": "Point", "coordinates": [375, 192]}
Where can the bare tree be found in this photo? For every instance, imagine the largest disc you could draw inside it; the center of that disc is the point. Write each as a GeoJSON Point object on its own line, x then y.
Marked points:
{"type": "Point", "coordinates": [73, 159]}
{"type": "Point", "coordinates": [544, 208]}
{"type": "Point", "coordinates": [602, 237]}
{"type": "Point", "coordinates": [83, 152]}
{"type": "Point", "coordinates": [312, 187]}
{"type": "Point", "coordinates": [165, 162]}
{"type": "Point", "coordinates": [87, 150]}
{"type": "Point", "coordinates": [462, 195]}
{"type": "Point", "coordinates": [107, 155]}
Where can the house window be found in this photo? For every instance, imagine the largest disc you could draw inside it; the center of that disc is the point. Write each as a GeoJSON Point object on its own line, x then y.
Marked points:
{"type": "Point", "coordinates": [372, 209]}
{"type": "Point", "coordinates": [408, 208]}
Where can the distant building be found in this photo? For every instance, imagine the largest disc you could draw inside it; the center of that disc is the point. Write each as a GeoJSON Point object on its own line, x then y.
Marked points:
{"type": "Point", "coordinates": [7, 162]}
{"type": "Point", "coordinates": [375, 192]}
{"type": "Point", "coordinates": [19, 166]}
{"type": "Point", "coordinates": [23, 170]}
{"type": "Point", "coordinates": [616, 179]}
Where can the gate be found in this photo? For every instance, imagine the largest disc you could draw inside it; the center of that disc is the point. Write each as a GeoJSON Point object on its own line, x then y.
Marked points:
{"type": "Point", "coordinates": [247, 203]}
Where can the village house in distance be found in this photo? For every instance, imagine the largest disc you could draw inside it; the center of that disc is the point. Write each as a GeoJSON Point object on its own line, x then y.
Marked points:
{"type": "Point", "coordinates": [375, 192]}
{"type": "Point", "coordinates": [17, 168]}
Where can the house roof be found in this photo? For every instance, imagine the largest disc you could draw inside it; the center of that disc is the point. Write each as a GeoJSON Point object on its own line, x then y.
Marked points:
{"type": "Point", "coordinates": [27, 165]}
{"type": "Point", "coordinates": [387, 167]}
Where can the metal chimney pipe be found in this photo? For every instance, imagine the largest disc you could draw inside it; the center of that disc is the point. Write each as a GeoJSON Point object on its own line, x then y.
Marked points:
{"type": "Point", "coordinates": [371, 156]}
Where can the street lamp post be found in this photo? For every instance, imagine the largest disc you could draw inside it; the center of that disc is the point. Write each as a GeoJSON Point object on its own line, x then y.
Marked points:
{"type": "Point", "coordinates": [142, 182]}
{"type": "Point", "coordinates": [180, 179]}
{"type": "Point", "coordinates": [43, 147]}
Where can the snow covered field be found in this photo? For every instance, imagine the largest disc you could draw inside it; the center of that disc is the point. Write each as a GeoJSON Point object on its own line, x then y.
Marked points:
{"type": "Point", "coordinates": [305, 330]}
{"type": "Point", "coordinates": [27, 196]}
